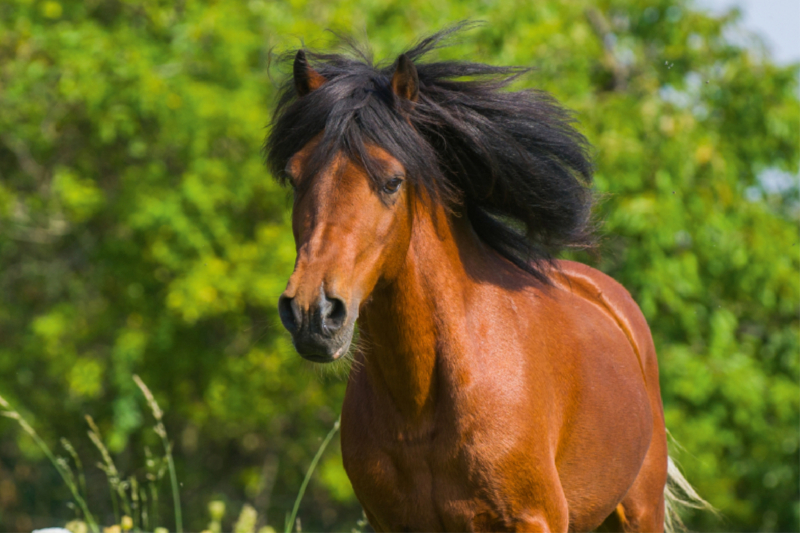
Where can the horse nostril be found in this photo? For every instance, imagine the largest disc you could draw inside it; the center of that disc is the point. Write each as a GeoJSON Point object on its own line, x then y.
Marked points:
{"type": "Point", "coordinates": [333, 315]}
{"type": "Point", "coordinates": [289, 313]}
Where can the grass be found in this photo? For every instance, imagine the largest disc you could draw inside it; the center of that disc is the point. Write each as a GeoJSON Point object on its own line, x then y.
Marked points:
{"type": "Point", "coordinates": [135, 505]}
{"type": "Point", "coordinates": [291, 519]}
{"type": "Point", "coordinates": [162, 432]}
{"type": "Point", "coordinates": [61, 465]}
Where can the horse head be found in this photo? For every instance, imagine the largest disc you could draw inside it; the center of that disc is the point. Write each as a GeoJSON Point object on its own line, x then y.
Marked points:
{"type": "Point", "coordinates": [351, 221]}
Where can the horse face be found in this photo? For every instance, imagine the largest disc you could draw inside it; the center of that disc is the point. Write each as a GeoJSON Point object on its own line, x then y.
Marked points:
{"type": "Point", "coordinates": [351, 232]}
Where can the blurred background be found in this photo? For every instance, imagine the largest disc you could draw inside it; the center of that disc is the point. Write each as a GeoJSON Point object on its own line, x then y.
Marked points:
{"type": "Point", "coordinates": [141, 234]}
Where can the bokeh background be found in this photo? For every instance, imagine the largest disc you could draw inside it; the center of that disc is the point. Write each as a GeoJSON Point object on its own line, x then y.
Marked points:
{"type": "Point", "coordinates": [140, 233]}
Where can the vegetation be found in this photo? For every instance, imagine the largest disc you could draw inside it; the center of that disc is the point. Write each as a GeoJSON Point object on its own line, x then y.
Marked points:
{"type": "Point", "coordinates": [141, 234]}
{"type": "Point", "coordinates": [141, 512]}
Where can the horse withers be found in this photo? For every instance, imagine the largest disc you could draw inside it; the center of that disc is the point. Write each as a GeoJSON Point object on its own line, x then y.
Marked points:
{"type": "Point", "coordinates": [493, 388]}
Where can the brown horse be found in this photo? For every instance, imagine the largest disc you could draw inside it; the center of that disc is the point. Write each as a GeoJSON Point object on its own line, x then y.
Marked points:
{"type": "Point", "coordinates": [494, 389]}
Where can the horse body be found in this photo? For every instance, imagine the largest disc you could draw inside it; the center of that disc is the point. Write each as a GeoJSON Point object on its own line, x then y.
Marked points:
{"type": "Point", "coordinates": [493, 388]}
{"type": "Point", "coordinates": [524, 406]}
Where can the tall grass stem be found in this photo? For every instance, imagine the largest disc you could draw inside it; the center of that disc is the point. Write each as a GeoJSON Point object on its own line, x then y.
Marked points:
{"type": "Point", "coordinates": [14, 415]}
{"type": "Point", "coordinates": [78, 467]}
{"type": "Point", "coordinates": [173, 478]}
{"type": "Point", "coordinates": [162, 432]}
{"type": "Point", "coordinates": [115, 482]}
{"type": "Point", "coordinates": [291, 520]}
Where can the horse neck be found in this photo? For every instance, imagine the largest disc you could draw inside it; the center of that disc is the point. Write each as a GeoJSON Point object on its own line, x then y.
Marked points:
{"type": "Point", "coordinates": [413, 326]}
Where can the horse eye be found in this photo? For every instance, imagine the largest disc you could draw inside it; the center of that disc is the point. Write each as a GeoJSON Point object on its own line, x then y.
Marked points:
{"type": "Point", "coordinates": [391, 186]}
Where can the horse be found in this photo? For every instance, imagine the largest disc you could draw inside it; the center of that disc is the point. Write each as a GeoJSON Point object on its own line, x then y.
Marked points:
{"type": "Point", "coordinates": [493, 387]}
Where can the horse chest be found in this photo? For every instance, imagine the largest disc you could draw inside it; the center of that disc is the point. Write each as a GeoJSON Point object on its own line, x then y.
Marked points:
{"type": "Point", "coordinates": [412, 485]}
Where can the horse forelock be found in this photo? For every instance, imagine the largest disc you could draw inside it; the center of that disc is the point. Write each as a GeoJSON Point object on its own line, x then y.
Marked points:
{"type": "Point", "coordinates": [511, 160]}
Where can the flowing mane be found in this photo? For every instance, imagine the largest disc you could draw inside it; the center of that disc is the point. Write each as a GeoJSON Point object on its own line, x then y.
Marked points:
{"type": "Point", "coordinates": [511, 161]}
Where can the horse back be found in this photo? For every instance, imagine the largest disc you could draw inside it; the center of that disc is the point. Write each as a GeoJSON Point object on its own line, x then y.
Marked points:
{"type": "Point", "coordinates": [615, 301]}
{"type": "Point", "coordinates": [612, 408]}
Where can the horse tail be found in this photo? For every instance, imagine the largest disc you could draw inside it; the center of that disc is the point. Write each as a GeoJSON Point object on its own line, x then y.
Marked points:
{"type": "Point", "coordinates": [678, 494]}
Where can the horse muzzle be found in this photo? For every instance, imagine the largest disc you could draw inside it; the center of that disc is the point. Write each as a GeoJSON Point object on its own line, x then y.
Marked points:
{"type": "Point", "coordinates": [321, 330]}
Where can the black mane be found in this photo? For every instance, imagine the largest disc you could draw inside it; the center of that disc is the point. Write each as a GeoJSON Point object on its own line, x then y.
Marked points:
{"type": "Point", "coordinates": [511, 160]}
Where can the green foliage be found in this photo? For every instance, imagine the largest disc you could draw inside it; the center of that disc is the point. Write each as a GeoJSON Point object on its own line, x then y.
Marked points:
{"type": "Point", "coordinates": [139, 233]}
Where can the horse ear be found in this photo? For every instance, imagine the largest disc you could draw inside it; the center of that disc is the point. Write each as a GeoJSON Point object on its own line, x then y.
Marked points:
{"type": "Point", "coordinates": [405, 81]}
{"type": "Point", "coordinates": [306, 79]}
